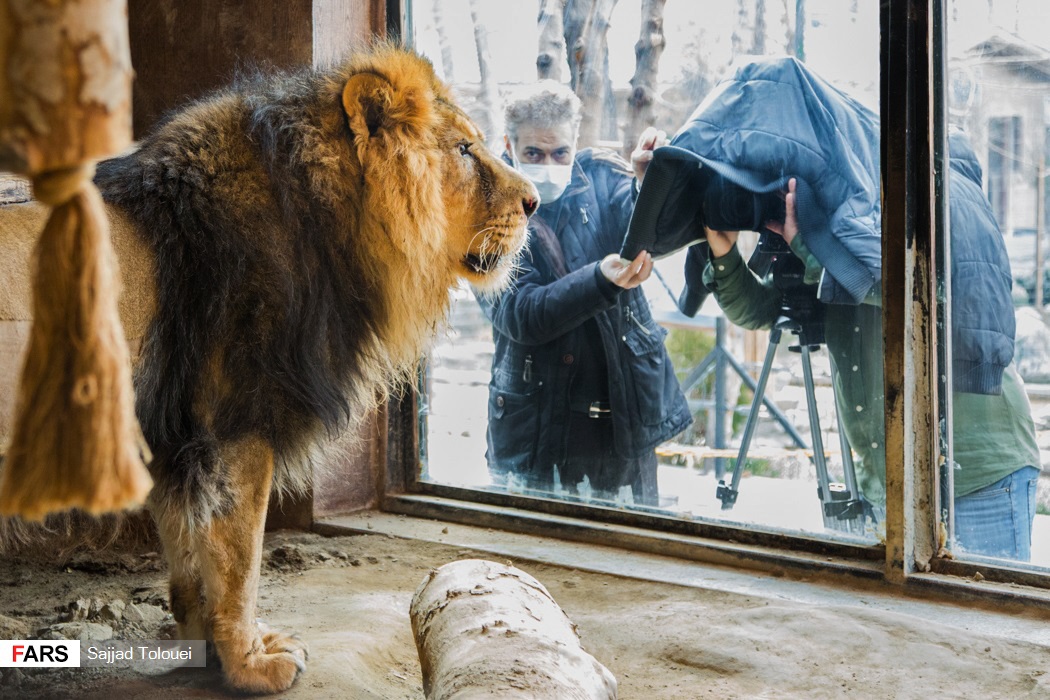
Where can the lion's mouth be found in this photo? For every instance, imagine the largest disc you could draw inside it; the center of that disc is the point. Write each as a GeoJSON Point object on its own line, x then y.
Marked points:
{"type": "Point", "coordinates": [481, 263]}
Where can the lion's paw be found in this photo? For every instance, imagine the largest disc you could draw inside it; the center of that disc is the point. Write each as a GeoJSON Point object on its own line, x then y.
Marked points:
{"type": "Point", "coordinates": [273, 665]}
{"type": "Point", "coordinates": [276, 641]}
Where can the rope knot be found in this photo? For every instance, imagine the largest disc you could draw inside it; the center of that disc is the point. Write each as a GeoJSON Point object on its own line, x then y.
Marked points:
{"type": "Point", "coordinates": [56, 187]}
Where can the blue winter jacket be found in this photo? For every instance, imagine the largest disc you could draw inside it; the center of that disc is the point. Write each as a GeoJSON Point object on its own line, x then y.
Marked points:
{"type": "Point", "coordinates": [775, 119]}
{"type": "Point", "coordinates": [539, 325]}
{"type": "Point", "coordinates": [983, 324]}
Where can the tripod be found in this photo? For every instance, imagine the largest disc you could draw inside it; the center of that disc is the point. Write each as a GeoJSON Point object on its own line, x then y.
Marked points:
{"type": "Point", "coordinates": [841, 505]}
{"type": "Point", "coordinates": [718, 360]}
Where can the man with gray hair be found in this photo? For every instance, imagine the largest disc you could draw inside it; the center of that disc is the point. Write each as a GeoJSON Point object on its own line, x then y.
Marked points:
{"type": "Point", "coordinates": [582, 389]}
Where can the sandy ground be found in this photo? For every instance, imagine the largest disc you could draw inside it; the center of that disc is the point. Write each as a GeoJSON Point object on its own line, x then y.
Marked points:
{"type": "Point", "coordinates": [349, 597]}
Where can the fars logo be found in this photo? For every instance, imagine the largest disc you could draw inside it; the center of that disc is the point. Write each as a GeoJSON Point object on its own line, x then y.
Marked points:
{"type": "Point", "coordinates": [39, 653]}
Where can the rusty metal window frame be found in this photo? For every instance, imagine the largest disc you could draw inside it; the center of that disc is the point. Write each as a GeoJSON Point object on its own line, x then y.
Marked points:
{"type": "Point", "coordinates": [914, 144]}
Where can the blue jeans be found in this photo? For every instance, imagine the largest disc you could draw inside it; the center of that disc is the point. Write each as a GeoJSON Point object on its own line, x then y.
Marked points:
{"type": "Point", "coordinates": [996, 521]}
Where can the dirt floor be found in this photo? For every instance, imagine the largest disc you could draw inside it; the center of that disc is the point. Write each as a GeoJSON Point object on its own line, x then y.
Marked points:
{"type": "Point", "coordinates": [348, 596]}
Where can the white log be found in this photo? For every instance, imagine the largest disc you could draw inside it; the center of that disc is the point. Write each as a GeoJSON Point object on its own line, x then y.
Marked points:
{"type": "Point", "coordinates": [487, 630]}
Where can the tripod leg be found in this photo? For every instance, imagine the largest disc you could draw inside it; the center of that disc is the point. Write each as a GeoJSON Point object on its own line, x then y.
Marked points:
{"type": "Point", "coordinates": [720, 396]}
{"type": "Point", "coordinates": [841, 506]}
{"type": "Point", "coordinates": [728, 494]}
{"type": "Point", "coordinates": [849, 470]}
{"type": "Point", "coordinates": [814, 428]}
{"type": "Point", "coordinates": [773, 409]}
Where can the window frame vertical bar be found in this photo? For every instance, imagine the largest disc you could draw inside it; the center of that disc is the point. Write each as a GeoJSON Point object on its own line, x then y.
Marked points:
{"type": "Point", "coordinates": [945, 493]}
{"type": "Point", "coordinates": [908, 285]}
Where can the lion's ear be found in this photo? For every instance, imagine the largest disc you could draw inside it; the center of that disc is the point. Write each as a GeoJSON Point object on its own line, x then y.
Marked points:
{"type": "Point", "coordinates": [366, 99]}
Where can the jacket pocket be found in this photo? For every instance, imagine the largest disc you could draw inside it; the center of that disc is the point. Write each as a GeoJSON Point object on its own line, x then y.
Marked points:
{"type": "Point", "coordinates": [513, 429]}
{"type": "Point", "coordinates": [650, 369]}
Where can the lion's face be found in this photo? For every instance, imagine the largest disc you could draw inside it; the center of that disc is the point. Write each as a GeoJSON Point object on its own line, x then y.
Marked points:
{"type": "Point", "coordinates": [412, 138]}
{"type": "Point", "coordinates": [487, 204]}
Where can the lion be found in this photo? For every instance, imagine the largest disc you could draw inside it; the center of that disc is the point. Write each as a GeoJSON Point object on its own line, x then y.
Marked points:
{"type": "Point", "coordinates": [288, 246]}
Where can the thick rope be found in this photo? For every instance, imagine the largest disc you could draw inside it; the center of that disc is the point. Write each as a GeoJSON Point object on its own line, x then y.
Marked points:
{"type": "Point", "coordinates": [76, 442]}
{"type": "Point", "coordinates": [57, 187]}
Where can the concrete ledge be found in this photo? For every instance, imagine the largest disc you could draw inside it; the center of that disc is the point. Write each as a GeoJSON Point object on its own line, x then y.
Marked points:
{"type": "Point", "coordinates": [963, 603]}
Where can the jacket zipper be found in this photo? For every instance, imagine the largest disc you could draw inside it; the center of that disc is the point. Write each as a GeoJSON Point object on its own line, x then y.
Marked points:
{"type": "Point", "coordinates": [631, 317]}
{"type": "Point", "coordinates": [526, 375]}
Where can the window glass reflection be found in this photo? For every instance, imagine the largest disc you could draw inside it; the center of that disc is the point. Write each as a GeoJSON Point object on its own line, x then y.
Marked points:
{"type": "Point", "coordinates": [580, 383]}
{"type": "Point", "coordinates": [998, 100]}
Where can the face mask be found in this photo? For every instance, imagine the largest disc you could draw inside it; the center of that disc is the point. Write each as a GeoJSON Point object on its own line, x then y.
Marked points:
{"type": "Point", "coordinates": [550, 180]}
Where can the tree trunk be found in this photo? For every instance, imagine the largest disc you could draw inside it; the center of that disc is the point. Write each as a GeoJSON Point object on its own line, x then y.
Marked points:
{"type": "Point", "coordinates": [574, 21]}
{"type": "Point", "coordinates": [487, 114]}
{"type": "Point", "coordinates": [789, 28]}
{"type": "Point", "coordinates": [447, 69]}
{"type": "Point", "coordinates": [486, 630]}
{"type": "Point", "coordinates": [800, 30]}
{"type": "Point", "coordinates": [586, 35]}
{"type": "Point", "coordinates": [647, 54]}
{"type": "Point", "coordinates": [741, 28]}
{"type": "Point", "coordinates": [551, 56]}
{"type": "Point", "coordinates": [758, 46]}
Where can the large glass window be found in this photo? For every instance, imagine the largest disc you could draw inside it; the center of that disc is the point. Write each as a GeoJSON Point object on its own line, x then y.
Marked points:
{"type": "Point", "coordinates": [513, 411]}
{"type": "Point", "coordinates": [997, 500]}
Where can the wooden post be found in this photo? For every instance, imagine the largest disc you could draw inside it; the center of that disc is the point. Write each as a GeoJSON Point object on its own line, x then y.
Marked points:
{"type": "Point", "coordinates": [65, 94]}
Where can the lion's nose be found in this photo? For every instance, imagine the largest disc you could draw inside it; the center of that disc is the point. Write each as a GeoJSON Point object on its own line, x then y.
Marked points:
{"type": "Point", "coordinates": [529, 206]}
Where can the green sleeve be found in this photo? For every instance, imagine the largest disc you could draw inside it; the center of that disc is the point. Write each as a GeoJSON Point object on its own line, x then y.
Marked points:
{"type": "Point", "coordinates": [813, 267]}
{"type": "Point", "coordinates": [814, 271]}
{"type": "Point", "coordinates": [746, 301]}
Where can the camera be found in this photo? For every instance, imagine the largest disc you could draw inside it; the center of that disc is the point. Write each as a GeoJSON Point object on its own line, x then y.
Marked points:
{"type": "Point", "coordinates": [730, 207]}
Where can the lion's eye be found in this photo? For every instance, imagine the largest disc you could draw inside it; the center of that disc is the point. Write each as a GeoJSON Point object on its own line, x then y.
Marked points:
{"type": "Point", "coordinates": [464, 148]}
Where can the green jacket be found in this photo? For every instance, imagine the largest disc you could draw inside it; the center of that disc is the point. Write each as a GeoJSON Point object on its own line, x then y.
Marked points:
{"type": "Point", "coordinates": [994, 435]}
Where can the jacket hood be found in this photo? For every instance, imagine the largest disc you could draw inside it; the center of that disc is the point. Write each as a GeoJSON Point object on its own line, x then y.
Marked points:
{"type": "Point", "coordinates": [962, 157]}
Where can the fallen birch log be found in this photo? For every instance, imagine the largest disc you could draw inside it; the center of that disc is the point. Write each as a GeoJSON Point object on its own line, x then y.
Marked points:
{"type": "Point", "coordinates": [486, 630]}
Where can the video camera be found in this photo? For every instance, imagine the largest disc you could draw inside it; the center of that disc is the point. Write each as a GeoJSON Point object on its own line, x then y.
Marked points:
{"type": "Point", "coordinates": [681, 196]}
{"type": "Point", "coordinates": [729, 207]}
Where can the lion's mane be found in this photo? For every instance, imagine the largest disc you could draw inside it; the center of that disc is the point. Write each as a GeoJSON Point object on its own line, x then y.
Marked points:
{"type": "Point", "coordinates": [294, 277]}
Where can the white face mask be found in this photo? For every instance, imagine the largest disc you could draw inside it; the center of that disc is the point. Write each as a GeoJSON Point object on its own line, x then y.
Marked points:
{"type": "Point", "coordinates": [550, 180]}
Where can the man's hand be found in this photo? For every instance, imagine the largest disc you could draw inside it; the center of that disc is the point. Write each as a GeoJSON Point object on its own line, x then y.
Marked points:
{"type": "Point", "coordinates": [721, 242]}
{"type": "Point", "coordinates": [642, 155]}
{"type": "Point", "coordinates": [787, 229]}
{"type": "Point", "coordinates": [627, 274]}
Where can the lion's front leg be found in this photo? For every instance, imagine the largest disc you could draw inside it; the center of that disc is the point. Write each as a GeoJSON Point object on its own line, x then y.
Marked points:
{"type": "Point", "coordinates": [229, 550]}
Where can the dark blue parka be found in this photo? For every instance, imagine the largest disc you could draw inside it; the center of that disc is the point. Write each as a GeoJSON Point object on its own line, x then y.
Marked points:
{"type": "Point", "coordinates": [540, 322]}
